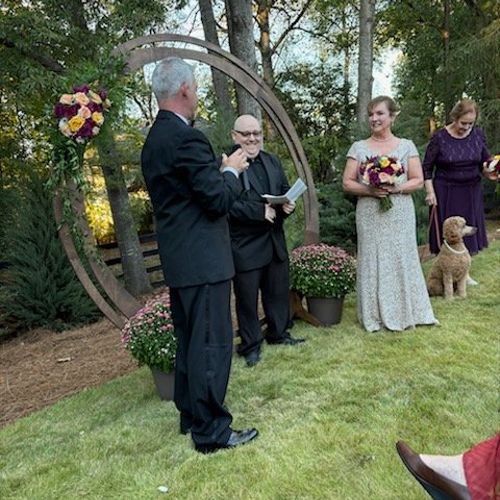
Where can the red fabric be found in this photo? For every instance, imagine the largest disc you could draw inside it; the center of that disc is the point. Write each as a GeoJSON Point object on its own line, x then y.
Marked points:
{"type": "Point", "coordinates": [482, 469]}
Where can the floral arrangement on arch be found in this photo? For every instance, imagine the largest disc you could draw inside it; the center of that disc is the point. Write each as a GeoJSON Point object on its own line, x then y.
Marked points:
{"type": "Point", "coordinates": [149, 334]}
{"type": "Point", "coordinates": [322, 271]}
{"type": "Point", "coordinates": [378, 171]}
{"type": "Point", "coordinates": [80, 117]}
{"type": "Point", "coordinates": [81, 114]}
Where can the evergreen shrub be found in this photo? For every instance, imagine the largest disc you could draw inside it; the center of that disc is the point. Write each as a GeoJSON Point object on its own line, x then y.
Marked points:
{"type": "Point", "coordinates": [337, 216]}
{"type": "Point", "coordinates": [41, 286]}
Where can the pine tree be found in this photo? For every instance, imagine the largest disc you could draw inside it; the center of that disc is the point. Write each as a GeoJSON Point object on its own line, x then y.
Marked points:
{"type": "Point", "coordinates": [42, 287]}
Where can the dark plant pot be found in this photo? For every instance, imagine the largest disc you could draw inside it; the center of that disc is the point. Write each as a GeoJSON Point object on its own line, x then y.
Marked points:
{"type": "Point", "coordinates": [164, 383]}
{"type": "Point", "coordinates": [326, 310]}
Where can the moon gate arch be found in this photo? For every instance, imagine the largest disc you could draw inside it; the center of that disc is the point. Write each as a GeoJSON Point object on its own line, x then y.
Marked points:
{"type": "Point", "coordinates": [116, 303]}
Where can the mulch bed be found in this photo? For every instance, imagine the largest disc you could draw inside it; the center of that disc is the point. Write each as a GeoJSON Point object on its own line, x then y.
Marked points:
{"type": "Point", "coordinates": [40, 367]}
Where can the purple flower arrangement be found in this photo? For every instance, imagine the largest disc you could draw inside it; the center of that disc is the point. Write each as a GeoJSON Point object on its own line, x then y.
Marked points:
{"type": "Point", "coordinates": [149, 334]}
{"type": "Point", "coordinates": [322, 271]}
{"type": "Point", "coordinates": [378, 171]}
{"type": "Point", "coordinates": [81, 114]}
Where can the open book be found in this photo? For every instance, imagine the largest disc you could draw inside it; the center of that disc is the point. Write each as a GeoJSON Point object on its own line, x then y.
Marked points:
{"type": "Point", "coordinates": [291, 195]}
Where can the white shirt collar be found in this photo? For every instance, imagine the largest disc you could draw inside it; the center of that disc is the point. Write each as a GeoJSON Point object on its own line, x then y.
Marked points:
{"type": "Point", "coordinates": [183, 118]}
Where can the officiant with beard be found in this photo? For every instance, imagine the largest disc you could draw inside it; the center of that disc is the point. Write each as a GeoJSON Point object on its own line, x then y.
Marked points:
{"type": "Point", "coordinates": [259, 246]}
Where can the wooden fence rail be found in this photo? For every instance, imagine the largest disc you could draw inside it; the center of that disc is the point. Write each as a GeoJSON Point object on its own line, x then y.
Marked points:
{"type": "Point", "coordinates": [115, 261]}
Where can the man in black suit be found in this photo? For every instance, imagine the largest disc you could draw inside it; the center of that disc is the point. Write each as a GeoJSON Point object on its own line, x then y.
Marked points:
{"type": "Point", "coordinates": [191, 198]}
{"type": "Point", "coordinates": [259, 247]}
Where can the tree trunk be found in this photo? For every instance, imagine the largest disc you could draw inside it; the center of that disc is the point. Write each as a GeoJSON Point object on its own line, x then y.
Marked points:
{"type": "Point", "coordinates": [263, 10]}
{"type": "Point", "coordinates": [134, 269]}
{"type": "Point", "coordinates": [346, 76]}
{"type": "Point", "coordinates": [242, 44]}
{"type": "Point", "coordinates": [445, 33]}
{"type": "Point", "coordinates": [221, 83]}
{"type": "Point", "coordinates": [365, 64]}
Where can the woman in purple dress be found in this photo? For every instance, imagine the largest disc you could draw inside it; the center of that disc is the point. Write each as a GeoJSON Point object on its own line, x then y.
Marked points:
{"type": "Point", "coordinates": [453, 163]}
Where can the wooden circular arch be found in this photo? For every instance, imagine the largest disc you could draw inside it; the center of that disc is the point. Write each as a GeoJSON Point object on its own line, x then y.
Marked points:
{"type": "Point", "coordinates": [123, 305]}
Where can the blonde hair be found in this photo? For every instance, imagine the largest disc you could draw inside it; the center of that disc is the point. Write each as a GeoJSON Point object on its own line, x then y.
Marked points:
{"type": "Point", "coordinates": [463, 107]}
{"type": "Point", "coordinates": [389, 101]}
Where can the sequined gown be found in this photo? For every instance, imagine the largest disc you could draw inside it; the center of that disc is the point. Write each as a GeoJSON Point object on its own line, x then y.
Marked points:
{"type": "Point", "coordinates": [391, 289]}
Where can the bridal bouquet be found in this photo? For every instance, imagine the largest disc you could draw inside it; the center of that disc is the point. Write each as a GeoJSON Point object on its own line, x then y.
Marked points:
{"type": "Point", "coordinates": [378, 171]}
{"type": "Point", "coordinates": [81, 114]}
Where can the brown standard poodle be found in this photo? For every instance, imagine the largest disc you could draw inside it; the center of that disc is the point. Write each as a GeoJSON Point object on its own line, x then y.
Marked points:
{"type": "Point", "coordinates": [452, 264]}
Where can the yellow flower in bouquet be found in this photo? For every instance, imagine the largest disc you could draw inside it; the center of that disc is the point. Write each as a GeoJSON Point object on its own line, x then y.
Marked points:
{"type": "Point", "coordinates": [98, 118]}
{"type": "Point", "coordinates": [76, 123]}
{"type": "Point", "coordinates": [94, 97]}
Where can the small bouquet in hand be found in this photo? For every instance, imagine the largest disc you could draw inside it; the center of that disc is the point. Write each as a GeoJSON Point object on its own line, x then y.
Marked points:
{"type": "Point", "coordinates": [493, 165]}
{"type": "Point", "coordinates": [493, 168]}
{"type": "Point", "coordinates": [380, 171]}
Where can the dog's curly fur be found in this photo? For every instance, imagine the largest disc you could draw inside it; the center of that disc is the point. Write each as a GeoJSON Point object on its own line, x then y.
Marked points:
{"type": "Point", "coordinates": [450, 268]}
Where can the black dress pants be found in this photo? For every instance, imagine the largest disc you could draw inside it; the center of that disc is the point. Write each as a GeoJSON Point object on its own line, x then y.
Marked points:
{"type": "Point", "coordinates": [202, 321]}
{"type": "Point", "coordinates": [273, 282]}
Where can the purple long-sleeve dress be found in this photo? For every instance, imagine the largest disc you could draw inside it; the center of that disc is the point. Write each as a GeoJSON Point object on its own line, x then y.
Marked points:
{"type": "Point", "coordinates": [455, 165]}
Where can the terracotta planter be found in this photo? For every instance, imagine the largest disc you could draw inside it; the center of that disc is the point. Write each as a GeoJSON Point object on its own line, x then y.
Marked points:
{"type": "Point", "coordinates": [326, 310]}
{"type": "Point", "coordinates": [164, 383]}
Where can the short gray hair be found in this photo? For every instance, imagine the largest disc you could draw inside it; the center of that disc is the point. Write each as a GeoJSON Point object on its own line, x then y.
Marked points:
{"type": "Point", "coordinates": [169, 75]}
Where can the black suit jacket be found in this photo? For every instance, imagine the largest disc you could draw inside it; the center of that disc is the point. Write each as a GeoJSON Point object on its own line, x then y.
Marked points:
{"type": "Point", "coordinates": [253, 238]}
{"type": "Point", "coordinates": [191, 199]}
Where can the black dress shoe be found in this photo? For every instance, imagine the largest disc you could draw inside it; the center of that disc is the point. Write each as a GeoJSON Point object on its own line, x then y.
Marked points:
{"type": "Point", "coordinates": [439, 487]}
{"type": "Point", "coordinates": [236, 438]}
{"type": "Point", "coordinates": [287, 340]}
{"type": "Point", "coordinates": [252, 358]}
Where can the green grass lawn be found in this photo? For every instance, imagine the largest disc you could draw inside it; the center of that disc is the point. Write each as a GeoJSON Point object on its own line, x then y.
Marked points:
{"type": "Point", "coordinates": [329, 413]}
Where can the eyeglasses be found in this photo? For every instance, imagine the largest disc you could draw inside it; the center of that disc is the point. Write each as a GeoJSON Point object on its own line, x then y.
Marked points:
{"type": "Point", "coordinates": [255, 133]}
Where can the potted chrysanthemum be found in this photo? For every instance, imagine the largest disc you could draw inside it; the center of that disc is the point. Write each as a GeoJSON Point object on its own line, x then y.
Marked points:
{"type": "Point", "coordinates": [324, 274]}
{"type": "Point", "coordinates": [149, 336]}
